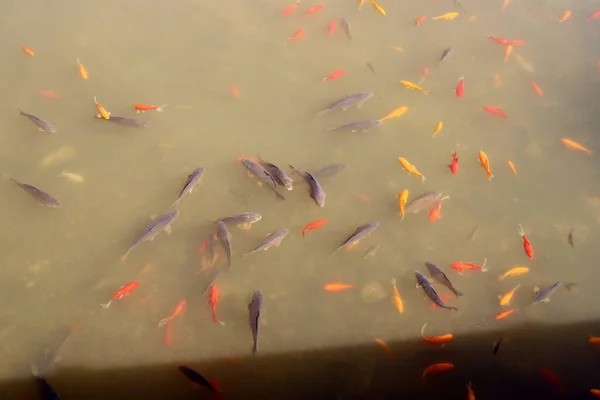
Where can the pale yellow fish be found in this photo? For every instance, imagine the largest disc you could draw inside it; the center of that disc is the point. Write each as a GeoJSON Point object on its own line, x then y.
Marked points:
{"type": "Point", "coordinates": [516, 271]}
{"type": "Point", "coordinates": [505, 3]}
{"type": "Point", "coordinates": [438, 128]}
{"type": "Point", "coordinates": [522, 62]}
{"type": "Point", "coordinates": [571, 144]}
{"type": "Point", "coordinates": [71, 176]}
{"type": "Point", "coordinates": [411, 169]}
{"type": "Point", "coordinates": [101, 110]}
{"type": "Point", "coordinates": [497, 80]}
{"type": "Point", "coordinates": [82, 71]}
{"type": "Point", "coordinates": [512, 167]}
{"type": "Point", "coordinates": [398, 112]}
{"type": "Point", "coordinates": [450, 15]}
{"type": "Point", "coordinates": [411, 85]}
{"type": "Point", "coordinates": [505, 300]}
{"type": "Point", "coordinates": [507, 51]}
{"type": "Point", "coordinates": [402, 199]}
{"type": "Point", "coordinates": [397, 48]}
{"type": "Point", "coordinates": [379, 9]}
{"type": "Point", "coordinates": [397, 299]}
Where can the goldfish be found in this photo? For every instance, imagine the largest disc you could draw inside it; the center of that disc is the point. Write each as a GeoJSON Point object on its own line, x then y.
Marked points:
{"type": "Point", "coordinates": [82, 71]}
{"type": "Point", "coordinates": [506, 42]}
{"type": "Point", "coordinates": [485, 164]}
{"type": "Point", "coordinates": [504, 314]}
{"type": "Point", "coordinates": [149, 107]}
{"type": "Point", "coordinates": [435, 339]}
{"type": "Point", "coordinates": [402, 199]}
{"type": "Point", "coordinates": [331, 27]}
{"type": "Point", "coordinates": [565, 16]}
{"type": "Point", "coordinates": [512, 167]}
{"type": "Point", "coordinates": [594, 15]}
{"type": "Point", "coordinates": [461, 266]}
{"type": "Point", "coordinates": [447, 16]}
{"type": "Point", "coordinates": [424, 73]}
{"type": "Point", "coordinates": [397, 299]}
{"type": "Point", "coordinates": [437, 129]}
{"type": "Point", "coordinates": [384, 345]}
{"type": "Point", "coordinates": [313, 225]}
{"type": "Point", "coordinates": [379, 9]}
{"type": "Point", "coordinates": [177, 312]}
{"type": "Point", "coordinates": [397, 48]}
{"type": "Point", "coordinates": [505, 299]}
{"type": "Point", "coordinates": [28, 51]}
{"type": "Point", "coordinates": [470, 392]}
{"type": "Point", "coordinates": [398, 112]}
{"type": "Point", "coordinates": [414, 86]}
{"type": "Point", "coordinates": [411, 169]}
{"type": "Point", "coordinates": [290, 9]}
{"type": "Point", "coordinates": [537, 89]}
{"type": "Point", "coordinates": [334, 75]}
{"type": "Point", "coordinates": [454, 165]}
{"type": "Point", "coordinates": [49, 94]}
{"type": "Point", "coordinates": [360, 4]}
{"type": "Point", "coordinates": [296, 36]}
{"type": "Point", "coordinates": [434, 214]}
{"type": "Point", "coordinates": [419, 20]}
{"type": "Point", "coordinates": [103, 113]}
{"type": "Point", "coordinates": [526, 243]}
{"type": "Point", "coordinates": [507, 51]}
{"type": "Point", "coordinates": [495, 111]}
{"type": "Point", "coordinates": [553, 379]}
{"type": "Point", "coordinates": [213, 299]}
{"type": "Point", "coordinates": [575, 146]}
{"type": "Point", "coordinates": [460, 87]}
{"type": "Point", "coordinates": [523, 63]}
{"type": "Point", "coordinates": [314, 9]}
{"type": "Point", "coordinates": [123, 291]}
{"type": "Point", "coordinates": [472, 18]}
{"type": "Point", "coordinates": [436, 368]}
{"type": "Point", "coordinates": [516, 271]}
{"type": "Point", "coordinates": [337, 287]}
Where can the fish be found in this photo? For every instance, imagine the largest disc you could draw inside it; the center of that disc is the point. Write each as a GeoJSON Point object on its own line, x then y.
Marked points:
{"type": "Point", "coordinates": [192, 180]}
{"type": "Point", "coordinates": [570, 144]}
{"type": "Point", "coordinates": [290, 9]}
{"type": "Point", "coordinates": [370, 251]}
{"type": "Point", "coordinates": [497, 344]}
{"type": "Point", "coordinates": [396, 296]}
{"type": "Point", "coordinates": [334, 75]}
{"type": "Point", "coordinates": [495, 111]}
{"type": "Point", "coordinates": [313, 225]}
{"type": "Point", "coordinates": [46, 391]}
{"type": "Point", "coordinates": [512, 167]}
{"type": "Point", "coordinates": [274, 239]}
{"type": "Point", "coordinates": [177, 312]}
{"type": "Point", "coordinates": [398, 112]}
{"type": "Point", "coordinates": [536, 88]}
{"type": "Point", "coordinates": [434, 214]}
{"type": "Point", "coordinates": [39, 195]}
{"type": "Point", "coordinates": [435, 339]}
{"type": "Point", "coordinates": [543, 295]}
{"type": "Point", "coordinates": [243, 221]}
{"type": "Point", "coordinates": [411, 169]}
{"type": "Point", "coordinates": [224, 237]}
{"type": "Point", "coordinates": [527, 247]}
{"type": "Point", "coordinates": [254, 311]}
{"type": "Point", "coordinates": [316, 192]}
{"type": "Point", "coordinates": [101, 110]}
{"type": "Point", "coordinates": [445, 54]}
{"type": "Point", "coordinates": [436, 369]}
{"type": "Point", "coordinates": [507, 297]}
{"type": "Point", "coordinates": [371, 68]}
{"type": "Point", "coordinates": [565, 16]}
{"type": "Point", "coordinates": [314, 9]}
{"type": "Point", "coordinates": [420, 19]}
{"type": "Point", "coordinates": [127, 121]}
{"type": "Point", "coordinates": [439, 276]}
{"type": "Point", "coordinates": [148, 107]}
{"type": "Point", "coordinates": [352, 100]}
{"type": "Point", "coordinates": [414, 86]}
{"type": "Point", "coordinates": [402, 199]}
{"type": "Point", "coordinates": [331, 27]}
{"type": "Point", "coordinates": [470, 392]}
{"type": "Point", "coordinates": [337, 287]}
{"type": "Point", "coordinates": [263, 176]}
{"type": "Point", "coordinates": [447, 16]}
{"type": "Point", "coordinates": [27, 51]}
{"type": "Point", "coordinates": [507, 51]}
{"type": "Point", "coordinates": [360, 233]}
{"type": "Point", "coordinates": [71, 176]}
{"type": "Point", "coordinates": [485, 164]}
{"type": "Point", "coordinates": [504, 314]}
{"type": "Point", "coordinates": [153, 229]}
{"type": "Point", "coordinates": [460, 87]}
{"type": "Point", "coordinates": [454, 165]}
{"type": "Point", "coordinates": [213, 299]}
{"type": "Point", "coordinates": [82, 71]}
{"type": "Point", "coordinates": [296, 36]}
{"type": "Point", "coordinates": [461, 266]}
{"type": "Point", "coordinates": [377, 7]}
{"type": "Point", "coordinates": [123, 291]}
{"type": "Point", "coordinates": [279, 176]}
{"type": "Point", "coordinates": [195, 377]}
{"type": "Point", "coordinates": [43, 126]}
{"type": "Point", "coordinates": [329, 171]}
{"type": "Point", "coordinates": [345, 25]}
{"type": "Point", "coordinates": [594, 15]}
{"type": "Point", "coordinates": [437, 129]}
{"type": "Point", "coordinates": [570, 239]}
{"type": "Point", "coordinates": [516, 271]}
{"type": "Point", "coordinates": [423, 202]}
{"type": "Point", "coordinates": [362, 126]}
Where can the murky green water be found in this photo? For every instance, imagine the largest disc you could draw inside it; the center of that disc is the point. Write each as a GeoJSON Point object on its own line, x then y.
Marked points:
{"type": "Point", "coordinates": [58, 265]}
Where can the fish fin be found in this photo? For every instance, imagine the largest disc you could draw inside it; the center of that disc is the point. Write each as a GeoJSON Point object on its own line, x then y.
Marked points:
{"type": "Point", "coordinates": [168, 229]}
{"type": "Point", "coordinates": [536, 289]}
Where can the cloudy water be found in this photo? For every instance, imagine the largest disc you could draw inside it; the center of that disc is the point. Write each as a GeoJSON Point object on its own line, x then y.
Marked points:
{"type": "Point", "coordinates": [239, 80]}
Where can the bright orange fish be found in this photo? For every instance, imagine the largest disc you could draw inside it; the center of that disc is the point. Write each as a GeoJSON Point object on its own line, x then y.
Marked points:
{"type": "Point", "coordinates": [28, 51]}
{"type": "Point", "coordinates": [526, 243]}
{"type": "Point", "coordinates": [436, 369]}
{"type": "Point", "coordinates": [454, 166]}
{"type": "Point", "coordinates": [536, 88]}
{"type": "Point", "coordinates": [512, 167]}
{"type": "Point", "coordinates": [575, 146]}
{"type": "Point", "coordinates": [101, 110]}
{"type": "Point", "coordinates": [313, 225]}
{"type": "Point", "coordinates": [504, 314]}
{"type": "Point", "coordinates": [234, 91]}
{"type": "Point", "coordinates": [595, 340]}
{"type": "Point", "coordinates": [213, 299]}
{"type": "Point", "coordinates": [337, 287]}
{"type": "Point", "coordinates": [507, 51]}
{"type": "Point", "coordinates": [334, 75]}
{"type": "Point", "coordinates": [434, 214]}
{"type": "Point", "coordinates": [419, 20]}
{"type": "Point", "coordinates": [123, 291]}
{"type": "Point", "coordinates": [505, 300]}
{"type": "Point", "coordinates": [149, 107]}
{"type": "Point", "coordinates": [296, 36]}
{"type": "Point", "coordinates": [435, 339]}
{"type": "Point", "coordinates": [411, 169]}
{"type": "Point", "coordinates": [485, 164]}
{"type": "Point", "coordinates": [595, 392]}
{"type": "Point", "coordinates": [82, 71]}
{"type": "Point", "coordinates": [402, 199]}
{"type": "Point", "coordinates": [314, 9]}
{"type": "Point", "coordinates": [397, 299]}
{"type": "Point", "coordinates": [290, 9]}
{"type": "Point", "coordinates": [495, 111]}
{"type": "Point", "coordinates": [565, 16]}
{"type": "Point", "coordinates": [470, 392]}
{"type": "Point", "coordinates": [178, 310]}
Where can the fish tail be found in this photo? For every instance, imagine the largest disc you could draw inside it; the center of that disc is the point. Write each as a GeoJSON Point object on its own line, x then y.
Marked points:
{"type": "Point", "coordinates": [483, 267]}
{"type": "Point", "coordinates": [458, 293]}
{"type": "Point", "coordinates": [570, 285]}
{"type": "Point", "coordinates": [255, 347]}
{"type": "Point", "coordinates": [20, 111]}
{"type": "Point", "coordinates": [161, 108]}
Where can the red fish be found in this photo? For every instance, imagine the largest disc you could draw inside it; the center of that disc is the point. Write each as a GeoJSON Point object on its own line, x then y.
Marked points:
{"type": "Point", "coordinates": [331, 28]}
{"type": "Point", "coordinates": [594, 15]}
{"type": "Point", "coordinates": [313, 225]}
{"type": "Point", "coordinates": [296, 36]}
{"type": "Point", "coordinates": [334, 75]}
{"type": "Point", "coordinates": [434, 214]}
{"type": "Point", "coordinates": [314, 9]}
{"type": "Point", "coordinates": [526, 243]}
{"type": "Point", "coordinates": [460, 88]}
{"type": "Point", "coordinates": [49, 94]}
{"type": "Point", "coordinates": [213, 299]}
{"type": "Point", "coordinates": [123, 291]}
{"type": "Point", "coordinates": [419, 20]}
{"type": "Point", "coordinates": [149, 107]}
{"type": "Point", "coordinates": [290, 9]}
{"type": "Point", "coordinates": [176, 313]}
{"type": "Point", "coordinates": [495, 111]}
{"type": "Point", "coordinates": [454, 166]}
{"type": "Point", "coordinates": [470, 266]}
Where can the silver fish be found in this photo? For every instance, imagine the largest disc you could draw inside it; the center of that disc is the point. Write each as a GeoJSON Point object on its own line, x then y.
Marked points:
{"type": "Point", "coordinates": [225, 238]}
{"type": "Point", "coordinates": [254, 311]}
{"type": "Point", "coordinates": [352, 100]}
{"type": "Point", "coordinates": [278, 175]}
{"type": "Point", "coordinates": [243, 221]}
{"type": "Point", "coordinates": [153, 229]}
{"type": "Point", "coordinates": [345, 27]}
{"type": "Point", "coordinates": [362, 126]}
{"type": "Point", "coordinates": [274, 239]}
{"type": "Point", "coordinates": [192, 180]}
{"type": "Point", "coordinates": [316, 191]}
{"type": "Point", "coordinates": [39, 195]}
{"type": "Point", "coordinates": [543, 295]}
{"type": "Point", "coordinates": [427, 287]}
{"type": "Point", "coordinates": [441, 277]}
{"type": "Point", "coordinates": [424, 202]}
{"type": "Point", "coordinates": [127, 121]}
{"type": "Point", "coordinates": [445, 54]}
{"type": "Point", "coordinates": [42, 125]}
{"type": "Point", "coordinates": [360, 233]}
{"type": "Point", "coordinates": [263, 176]}
{"type": "Point", "coordinates": [329, 171]}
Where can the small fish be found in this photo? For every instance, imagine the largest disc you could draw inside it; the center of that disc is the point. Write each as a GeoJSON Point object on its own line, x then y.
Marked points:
{"type": "Point", "coordinates": [313, 225]}
{"type": "Point", "coordinates": [485, 164]}
{"type": "Point", "coordinates": [352, 100]}
{"type": "Point", "coordinates": [434, 214]}
{"type": "Point", "coordinates": [396, 296]}
{"type": "Point", "coordinates": [195, 377]}
{"type": "Point", "coordinates": [497, 344]}
{"type": "Point", "coordinates": [570, 144]}
{"type": "Point", "coordinates": [243, 221]}
{"type": "Point", "coordinates": [386, 347]}
{"type": "Point", "coordinates": [127, 121]}
{"type": "Point", "coordinates": [512, 167]}
{"type": "Point", "coordinates": [331, 27]}
{"type": "Point", "coordinates": [543, 295]}
{"type": "Point", "coordinates": [436, 369]}
{"type": "Point", "coordinates": [290, 9]}
{"type": "Point", "coordinates": [454, 165]}
{"type": "Point", "coordinates": [414, 86]}
{"type": "Point", "coordinates": [594, 15]}
{"type": "Point", "coordinates": [71, 176]}
{"type": "Point", "coordinates": [411, 169]}
{"type": "Point", "coordinates": [516, 271]}
{"type": "Point", "coordinates": [224, 237]}
{"type": "Point", "coordinates": [213, 299]}
{"type": "Point", "coordinates": [526, 244]}
{"type": "Point", "coordinates": [263, 176]}
{"type": "Point", "coordinates": [101, 110]}
{"type": "Point", "coordinates": [460, 87]}
{"type": "Point", "coordinates": [27, 51]}
{"type": "Point", "coordinates": [362, 126]}
{"type": "Point", "coordinates": [504, 314]}
{"type": "Point", "coordinates": [192, 180]}
{"type": "Point", "coordinates": [495, 111]}
{"type": "Point", "coordinates": [334, 75]}
{"type": "Point", "coordinates": [49, 94]}
{"type": "Point", "coordinates": [497, 80]}
{"type": "Point", "coordinates": [435, 339]}
{"type": "Point", "coordinates": [345, 25]}
{"type": "Point", "coordinates": [278, 175]}
{"type": "Point", "coordinates": [377, 7]}
{"type": "Point", "coordinates": [153, 229]}
{"type": "Point", "coordinates": [537, 89]}
{"type": "Point", "coordinates": [420, 19]}
{"type": "Point", "coordinates": [360, 233]}
{"type": "Point", "coordinates": [254, 311]}
{"type": "Point", "coordinates": [402, 199]}
{"type": "Point", "coordinates": [445, 54]}
{"type": "Point", "coordinates": [423, 202]}
{"type": "Point", "coordinates": [329, 171]}
{"type": "Point", "coordinates": [398, 112]}
{"type": "Point", "coordinates": [371, 68]}
{"type": "Point", "coordinates": [314, 9]}
{"type": "Point", "coordinates": [570, 239]}
{"type": "Point", "coordinates": [552, 378]}
{"type": "Point", "coordinates": [337, 287]}
{"type": "Point", "coordinates": [424, 74]}
{"type": "Point", "coordinates": [43, 126]}
{"type": "Point", "coordinates": [123, 291]}
{"type": "Point", "coordinates": [506, 298]}
{"type": "Point", "coordinates": [565, 16]}
{"type": "Point", "coordinates": [439, 276]}
{"type": "Point", "coordinates": [234, 92]}
{"type": "Point", "coordinates": [470, 392]}
{"type": "Point", "coordinates": [148, 107]}
{"type": "Point", "coordinates": [461, 266]}
{"type": "Point", "coordinates": [296, 36]}
{"type": "Point", "coordinates": [316, 192]}
{"type": "Point", "coordinates": [447, 16]}
{"type": "Point", "coordinates": [507, 51]}
{"type": "Point", "coordinates": [437, 129]}
{"type": "Point", "coordinates": [177, 312]}
{"type": "Point", "coordinates": [274, 239]}
{"type": "Point", "coordinates": [427, 287]}
{"type": "Point", "coordinates": [82, 71]}
{"type": "Point", "coordinates": [39, 195]}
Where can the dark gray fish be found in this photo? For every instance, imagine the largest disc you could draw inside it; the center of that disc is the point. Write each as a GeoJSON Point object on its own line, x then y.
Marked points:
{"type": "Point", "coordinates": [329, 171]}
{"type": "Point", "coordinates": [426, 201]}
{"type": "Point", "coordinates": [195, 377]}
{"type": "Point", "coordinates": [360, 233]}
{"type": "Point", "coordinates": [254, 311]}
{"type": "Point", "coordinates": [316, 191]}
{"type": "Point", "coordinates": [371, 68]}
{"type": "Point", "coordinates": [570, 239]}
{"type": "Point", "coordinates": [543, 295]}
{"type": "Point", "coordinates": [225, 238]}
{"type": "Point", "coordinates": [263, 176]}
{"type": "Point", "coordinates": [345, 27]}
{"type": "Point", "coordinates": [424, 283]}
{"type": "Point", "coordinates": [441, 277]}
{"type": "Point", "coordinates": [352, 100]}
{"type": "Point", "coordinates": [445, 54]}
{"type": "Point", "coordinates": [127, 121]}
{"type": "Point", "coordinates": [39, 195]}
{"type": "Point", "coordinates": [50, 358]}
{"type": "Point", "coordinates": [46, 391]}
{"type": "Point", "coordinates": [153, 229]}
{"type": "Point", "coordinates": [362, 126]}
{"type": "Point", "coordinates": [243, 221]}
{"type": "Point", "coordinates": [497, 344]}
{"type": "Point", "coordinates": [192, 180]}
{"type": "Point", "coordinates": [278, 175]}
{"type": "Point", "coordinates": [42, 125]}
{"type": "Point", "coordinates": [274, 239]}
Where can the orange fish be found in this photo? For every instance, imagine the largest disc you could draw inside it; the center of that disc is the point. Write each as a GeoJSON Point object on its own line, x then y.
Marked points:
{"type": "Point", "coordinates": [512, 167]}
{"type": "Point", "coordinates": [419, 20]}
{"type": "Point", "coordinates": [505, 300]}
{"type": "Point", "coordinates": [447, 16]}
{"type": "Point", "coordinates": [377, 7]}
{"type": "Point", "coordinates": [82, 71]}
{"type": "Point", "coordinates": [402, 199]}
{"type": "Point", "coordinates": [461, 266]}
{"type": "Point", "coordinates": [28, 51]}
{"type": "Point", "coordinates": [148, 107]}
{"type": "Point", "coordinates": [337, 287]}
{"type": "Point", "coordinates": [290, 9]}
{"type": "Point", "coordinates": [397, 299]}
{"type": "Point", "coordinates": [565, 16]}
{"type": "Point", "coordinates": [454, 166]}
{"type": "Point", "coordinates": [485, 164]}
{"type": "Point", "coordinates": [234, 91]}
{"type": "Point", "coordinates": [495, 111]}
{"type": "Point", "coordinates": [504, 314]}
{"type": "Point", "coordinates": [436, 369]}
{"type": "Point", "coordinates": [213, 299]}
{"type": "Point", "coordinates": [296, 36]}
{"type": "Point", "coordinates": [595, 392]}
{"type": "Point", "coordinates": [178, 310]}
{"type": "Point", "coordinates": [411, 169]}
{"type": "Point", "coordinates": [537, 89]}
{"type": "Point", "coordinates": [331, 28]}
{"type": "Point", "coordinates": [101, 110]}
{"type": "Point", "coordinates": [434, 214]}
{"type": "Point", "coordinates": [435, 339]}
{"type": "Point", "coordinates": [313, 225]}
{"type": "Point", "coordinates": [594, 15]}
{"type": "Point", "coordinates": [123, 291]}
{"type": "Point", "coordinates": [516, 271]}
{"type": "Point", "coordinates": [384, 346]}
{"type": "Point", "coordinates": [595, 340]}
{"type": "Point", "coordinates": [314, 9]}
{"type": "Point", "coordinates": [334, 75]}
{"type": "Point", "coordinates": [470, 392]}
{"type": "Point", "coordinates": [507, 51]}
{"type": "Point", "coordinates": [526, 243]}
{"type": "Point", "coordinates": [49, 94]}
{"type": "Point", "coordinates": [575, 146]}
